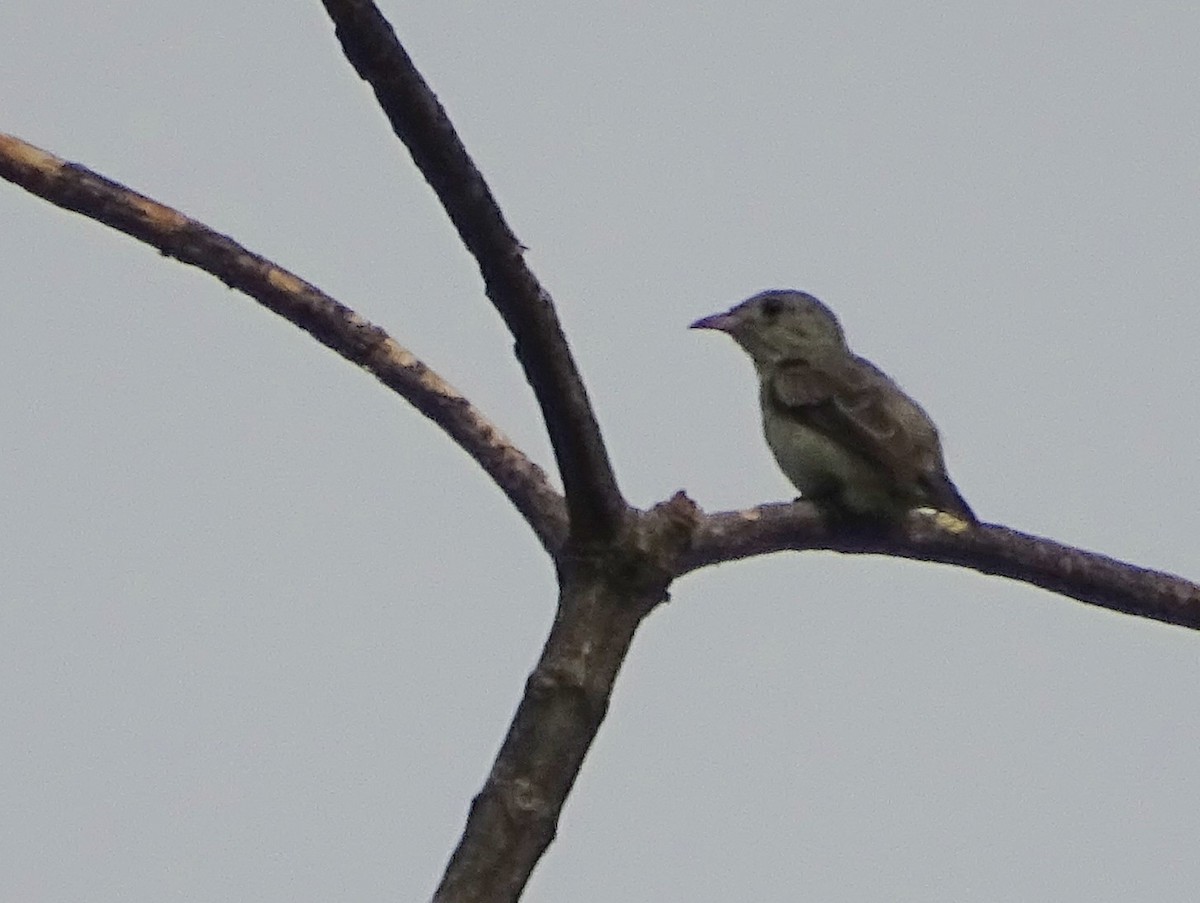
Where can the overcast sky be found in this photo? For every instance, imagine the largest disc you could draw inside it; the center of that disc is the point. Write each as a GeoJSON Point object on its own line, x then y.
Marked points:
{"type": "Point", "coordinates": [263, 627]}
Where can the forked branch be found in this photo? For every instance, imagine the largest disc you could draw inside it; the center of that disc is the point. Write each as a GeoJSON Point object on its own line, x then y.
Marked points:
{"type": "Point", "coordinates": [614, 564]}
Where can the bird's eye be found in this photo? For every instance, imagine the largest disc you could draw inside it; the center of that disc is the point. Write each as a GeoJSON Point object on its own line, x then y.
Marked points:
{"type": "Point", "coordinates": [772, 308]}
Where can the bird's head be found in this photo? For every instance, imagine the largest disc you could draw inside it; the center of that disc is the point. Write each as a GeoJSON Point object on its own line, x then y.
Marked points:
{"type": "Point", "coordinates": [777, 324]}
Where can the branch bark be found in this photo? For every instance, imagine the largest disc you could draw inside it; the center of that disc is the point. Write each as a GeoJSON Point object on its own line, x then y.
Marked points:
{"type": "Point", "coordinates": [988, 548]}
{"type": "Point", "coordinates": [596, 507]}
{"type": "Point", "coordinates": [73, 187]}
{"type": "Point", "coordinates": [515, 816]}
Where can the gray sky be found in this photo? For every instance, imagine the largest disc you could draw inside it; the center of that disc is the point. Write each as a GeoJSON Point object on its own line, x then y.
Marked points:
{"type": "Point", "coordinates": [263, 627]}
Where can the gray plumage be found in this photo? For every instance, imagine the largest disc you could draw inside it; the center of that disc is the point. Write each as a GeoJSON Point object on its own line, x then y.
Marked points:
{"type": "Point", "coordinates": [841, 430]}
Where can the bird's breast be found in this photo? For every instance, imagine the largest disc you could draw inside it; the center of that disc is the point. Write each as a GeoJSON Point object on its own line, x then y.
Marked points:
{"type": "Point", "coordinates": [818, 465]}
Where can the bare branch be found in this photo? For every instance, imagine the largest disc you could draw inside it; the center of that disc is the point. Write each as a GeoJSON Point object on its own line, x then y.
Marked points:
{"type": "Point", "coordinates": [515, 816]}
{"type": "Point", "coordinates": [990, 549]}
{"type": "Point", "coordinates": [75, 188]}
{"type": "Point", "coordinates": [605, 595]}
{"type": "Point", "coordinates": [596, 507]}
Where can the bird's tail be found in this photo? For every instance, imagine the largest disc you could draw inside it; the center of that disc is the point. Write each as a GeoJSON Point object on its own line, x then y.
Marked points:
{"type": "Point", "coordinates": [944, 496]}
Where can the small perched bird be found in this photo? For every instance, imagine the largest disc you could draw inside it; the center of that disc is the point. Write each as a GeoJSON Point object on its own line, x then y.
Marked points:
{"type": "Point", "coordinates": [841, 430]}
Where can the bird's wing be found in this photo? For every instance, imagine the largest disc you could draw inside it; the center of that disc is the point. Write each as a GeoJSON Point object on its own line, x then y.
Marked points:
{"type": "Point", "coordinates": [847, 400]}
{"type": "Point", "coordinates": [852, 402]}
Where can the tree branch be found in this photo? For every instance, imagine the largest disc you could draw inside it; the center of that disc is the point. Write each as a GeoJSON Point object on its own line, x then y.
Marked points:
{"type": "Point", "coordinates": [605, 594]}
{"type": "Point", "coordinates": [616, 564]}
{"type": "Point", "coordinates": [515, 816]}
{"type": "Point", "coordinates": [73, 187]}
{"type": "Point", "coordinates": [596, 507]}
{"type": "Point", "coordinates": [990, 549]}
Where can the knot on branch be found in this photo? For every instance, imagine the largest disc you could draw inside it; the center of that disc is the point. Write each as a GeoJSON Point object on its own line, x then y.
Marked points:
{"type": "Point", "coordinates": [666, 532]}
{"type": "Point", "coordinates": [645, 557]}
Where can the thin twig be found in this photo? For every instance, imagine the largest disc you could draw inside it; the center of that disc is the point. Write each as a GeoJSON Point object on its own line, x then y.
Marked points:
{"type": "Point", "coordinates": [338, 327]}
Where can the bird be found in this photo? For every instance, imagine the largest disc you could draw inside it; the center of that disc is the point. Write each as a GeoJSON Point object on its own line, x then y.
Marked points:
{"type": "Point", "coordinates": [842, 431]}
